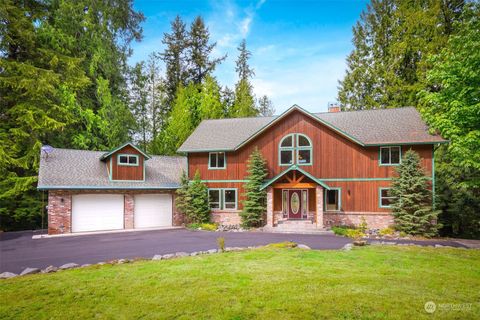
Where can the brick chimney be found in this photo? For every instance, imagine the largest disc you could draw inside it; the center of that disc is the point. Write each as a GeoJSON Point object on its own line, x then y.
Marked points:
{"type": "Point", "coordinates": [334, 107]}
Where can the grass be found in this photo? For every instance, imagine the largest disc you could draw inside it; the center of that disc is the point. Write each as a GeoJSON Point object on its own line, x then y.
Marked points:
{"type": "Point", "coordinates": [375, 282]}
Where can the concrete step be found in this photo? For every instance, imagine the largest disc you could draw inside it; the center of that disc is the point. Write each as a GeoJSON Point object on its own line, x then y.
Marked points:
{"type": "Point", "coordinates": [295, 222]}
{"type": "Point", "coordinates": [300, 231]}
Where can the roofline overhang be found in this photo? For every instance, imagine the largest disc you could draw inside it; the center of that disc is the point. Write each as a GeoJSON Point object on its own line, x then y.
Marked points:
{"type": "Point", "coordinates": [104, 188]}
{"type": "Point", "coordinates": [110, 153]}
{"type": "Point", "coordinates": [297, 168]}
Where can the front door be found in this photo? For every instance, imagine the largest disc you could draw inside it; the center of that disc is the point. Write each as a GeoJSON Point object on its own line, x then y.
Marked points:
{"type": "Point", "coordinates": [297, 203]}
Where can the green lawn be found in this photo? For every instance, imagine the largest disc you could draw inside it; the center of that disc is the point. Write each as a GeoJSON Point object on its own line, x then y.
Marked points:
{"type": "Point", "coordinates": [375, 282]}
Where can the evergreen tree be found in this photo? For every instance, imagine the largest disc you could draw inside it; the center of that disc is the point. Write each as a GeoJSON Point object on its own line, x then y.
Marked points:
{"type": "Point", "coordinates": [228, 99]}
{"type": "Point", "coordinates": [242, 67]}
{"type": "Point", "coordinates": [183, 200]}
{"type": "Point", "coordinates": [450, 105]}
{"type": "Point", "coordinates": [254, 206]}
{"type": "Point", "coordinates": [265, 106]}
{"type": "Point", "coordinates": [157, 97]}
{"type": "Point", "coordinates": [244, 104]}
{"type": "Point", "coordinates": [198, 209]}
{"type": "Point", "coordinates": [199, 50]}
{"type": "Point", "coordinates": [211, 106]}
{"type": "Point", "coordinates": [175, 58]}
{"type": "Point", "coordinates": [391, 43]}
{"type": "Point", "coordinates": [412, 202]}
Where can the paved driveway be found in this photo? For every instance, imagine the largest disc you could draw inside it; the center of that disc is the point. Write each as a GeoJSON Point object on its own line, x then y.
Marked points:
{"type": "Point", "coordinates": [18, 250]}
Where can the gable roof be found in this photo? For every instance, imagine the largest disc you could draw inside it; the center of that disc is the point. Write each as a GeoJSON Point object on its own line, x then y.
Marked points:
{"type": "Point", "coordinates": [297, 168]}
{"type": "Point", "coordinates": [110, 153]}
{"type": "Point", "coordinates": [366, 128]}
{"type": "Point", "coordinates": [82, 169]}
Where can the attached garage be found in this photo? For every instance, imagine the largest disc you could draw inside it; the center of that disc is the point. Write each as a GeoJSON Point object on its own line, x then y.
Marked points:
{"type": "Point", "coordinates": [153, 210]}
{"type": "Point", "coordinates": [97, 212]}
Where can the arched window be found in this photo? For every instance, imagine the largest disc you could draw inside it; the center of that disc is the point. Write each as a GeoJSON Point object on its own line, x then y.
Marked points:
{"type": "Point", "coordinates": [295, 148]}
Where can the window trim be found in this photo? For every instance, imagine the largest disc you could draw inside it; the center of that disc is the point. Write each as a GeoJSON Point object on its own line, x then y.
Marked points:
{"type": "Point", "coordinates": [128, 155]}
{"type": "Point", "coordinates": [219, 198]}
{"type": "Point", "coordinates": [390, 156]}
{"type": "Point", "coordinates": [380, 197]}
{"type": "Point", "coordinates": [339, 199]}
{"type": "Point", "coordinates": [294, 150]}
{"type": "Point", "coordinates": [222, 199]}
{"type": "Point", "coordinates": [224, 160]}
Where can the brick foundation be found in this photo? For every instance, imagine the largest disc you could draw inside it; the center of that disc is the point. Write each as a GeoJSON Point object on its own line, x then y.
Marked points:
{"type": "Point", "coordinates": [226, 218]}
{"type": "Point", "coordinates": [60, 208]}
{"type": "Point", "coordinates": [375, 220]}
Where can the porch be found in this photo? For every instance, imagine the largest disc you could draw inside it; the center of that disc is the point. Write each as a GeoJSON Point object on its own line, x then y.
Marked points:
{"type": "Point", "coordinates": [295, 202]}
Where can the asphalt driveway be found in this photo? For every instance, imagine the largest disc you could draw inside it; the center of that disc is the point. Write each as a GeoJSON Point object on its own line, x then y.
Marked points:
{"type": "Point", "coordinates": [18, 250]}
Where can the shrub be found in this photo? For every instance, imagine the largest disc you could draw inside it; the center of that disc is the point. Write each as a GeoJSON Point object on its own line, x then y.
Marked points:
{"type": "Point", "coordinates": [221, 244]}
{"type": "Point", "coordinates": [192, 199]}
{"type": "Point", "coordinates": [355, 234]}
{"type": "Point", "coordinates": [363, 226]}
{"type": "Point", "coordinates": [282, 245]}
{"type": "Point", "coordinates": [193, 226]}
{"type": "Point", "coordinates": [386, 231]}
{"type": "Point", "coordinates": [208, 226]}
{"type": "Point", "coordinates": [341, 230]}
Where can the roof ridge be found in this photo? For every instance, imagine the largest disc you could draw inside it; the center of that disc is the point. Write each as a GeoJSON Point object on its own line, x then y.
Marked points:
{"type": "Point", "coordinates": [370, 110]}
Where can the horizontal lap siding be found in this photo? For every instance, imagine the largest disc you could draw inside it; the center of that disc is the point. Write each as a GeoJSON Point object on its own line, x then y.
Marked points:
{"type": "Point", "coordinates": [127, 172]}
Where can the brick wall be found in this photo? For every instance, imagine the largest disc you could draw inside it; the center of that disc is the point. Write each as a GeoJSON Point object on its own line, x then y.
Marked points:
{"type": "Point", "coordinates": [60, 208]}
{"type": "Point", "coordinates": [226, 218]}
{"type": "Point", "coordinates": [375, 220]}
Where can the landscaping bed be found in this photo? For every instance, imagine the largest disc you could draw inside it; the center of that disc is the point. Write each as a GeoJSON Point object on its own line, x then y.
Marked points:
{"type": "Point", "coordinates": [374, 282]}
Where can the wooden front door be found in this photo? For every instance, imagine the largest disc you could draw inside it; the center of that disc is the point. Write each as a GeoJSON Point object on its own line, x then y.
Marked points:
{"type": "Point", "coordinates": [295, 203]}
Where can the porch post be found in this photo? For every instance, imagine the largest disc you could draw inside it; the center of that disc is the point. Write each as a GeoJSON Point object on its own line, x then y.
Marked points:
{"type": "Point", "coordinates": [319, 211]}
{"type": "Point", "coordinates": [269, 207]}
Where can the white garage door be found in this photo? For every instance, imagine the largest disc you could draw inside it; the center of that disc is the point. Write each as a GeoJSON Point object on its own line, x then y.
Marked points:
{"type": "Point", "coordinates": [153, 210]}
{"type": "Point", "coordinates": [94, 212]}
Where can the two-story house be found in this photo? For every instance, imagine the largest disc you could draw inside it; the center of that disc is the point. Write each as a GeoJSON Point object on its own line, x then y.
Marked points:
{"type": "Point", "coordinates": [324, 169]}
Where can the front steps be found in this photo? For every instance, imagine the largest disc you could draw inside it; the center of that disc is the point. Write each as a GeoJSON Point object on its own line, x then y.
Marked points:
{"type": "Point", "coordinates": [298, 227]}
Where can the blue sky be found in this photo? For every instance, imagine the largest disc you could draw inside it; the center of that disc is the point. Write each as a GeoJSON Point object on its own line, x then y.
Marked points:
{"type": "Point", "coordinates": [298, 47]}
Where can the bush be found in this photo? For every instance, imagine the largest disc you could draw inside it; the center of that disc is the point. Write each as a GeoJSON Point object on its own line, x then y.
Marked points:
{"type": "Point", "coordinates": [355, 234]}
{"type": "Point", "coordinates": [192, 199]}
{"type": "Point", "coordinates": [341, 230]}
{"type": "Point", "coordinates": [221, 244]}
{"type": "Point", "coordinates": [282, 245]}
{"type": "Point", "coordinates": [387, 231]}
{"type": "Point", "coordinates": [363, 226]}
{"type": "Point", "coordinates": [202, 226]}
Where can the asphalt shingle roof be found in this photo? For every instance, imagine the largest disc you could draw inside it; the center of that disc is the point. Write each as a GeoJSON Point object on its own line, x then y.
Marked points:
{"type": "Point", "coordinates": [368, 127]}
{"type": "Point", "coordinates": [67, 168]}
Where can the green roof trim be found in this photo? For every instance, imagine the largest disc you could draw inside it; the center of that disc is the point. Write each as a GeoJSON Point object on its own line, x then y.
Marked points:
{"type": "Point", "coordinates": [294, 167]}
{"type": "Point", "coordinates": [110, 153]}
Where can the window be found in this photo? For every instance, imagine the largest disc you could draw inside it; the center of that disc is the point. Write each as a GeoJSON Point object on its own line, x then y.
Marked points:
{"type": "Point", "coordinates": [385, 197]}
{"type": "Point", "coordinates": [220, 199]}
{"type": "Point", "coordinates": [298, 145]}
{"type": "Point", "coordinates": [127, 160]}
{"type": "Point", "coordinates": [390, 155]}
{"type": "Point", "coordinates": [217, 160]}
{"type": "Point", "coordinates": [332, 200]}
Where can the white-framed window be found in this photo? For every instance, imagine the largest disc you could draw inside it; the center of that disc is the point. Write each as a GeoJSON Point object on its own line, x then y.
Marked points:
{"type": "Point", "coordinates": [295, 148]}
{"type": "Point", "coordinates": [384, 197]}
{"type": "Point", "coordinates": [390, 156]}
{"type": "Point", "coordinates": [127, 160]}
{"type": "Point", "coordinates": [223, 199]}
{"type": "Point", "coordinates": [217, 160]}
{"type": "Point", "coordinates": [333, 199]}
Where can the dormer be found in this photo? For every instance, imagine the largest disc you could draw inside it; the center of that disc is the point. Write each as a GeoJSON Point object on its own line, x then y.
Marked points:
{"type": "Point", "coordinates": [126, 163]}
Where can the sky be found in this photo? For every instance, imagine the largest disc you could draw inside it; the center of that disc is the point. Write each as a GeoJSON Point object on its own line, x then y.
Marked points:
{"type": "Point", "coordinates": [299, 48]}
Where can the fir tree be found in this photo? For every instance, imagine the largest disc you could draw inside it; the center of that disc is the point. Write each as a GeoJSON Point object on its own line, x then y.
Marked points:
{"type": "Point", "coordinates": [412, 199]}
{"type": "Point", "coordinates": [254, 205]}
{"type": "Point", "coordinates": [228, 99]}
{"type": "Point", "coordinates": [183, 200]}
{"type": "Point", "coordinates": [265, 106]}
{"type": "Point", "coordinates": [244, 104]}
{"type": "Point", "coordinates": [199, 50]}
{"type": "Point", "coordinates": [243, 69]}
{"type": "Point", "coordinates": [198, 209]}
{"type": "Point", "coordinates": [175, 59]}
{"type": "Point", "coordinates": [211, 106]}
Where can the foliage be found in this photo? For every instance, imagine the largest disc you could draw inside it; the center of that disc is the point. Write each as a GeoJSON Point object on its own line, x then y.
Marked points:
{"type": "Point", "coordinates": [192, 199]}
{"type": "Point", "coordinates": [341, 230]}
{"type": "Point", "coordinates": [363, 227]}
{"type": "Point", "coordinates": [265, 106]}
{"type": "Point", "coordinates": [202, 226]}
{"type": "Point", "coordinates": [254, 205]}
{"type": "Point", "coordinates": [221, 244]}
{"type": "Point", "coordinates": [282, 245]}
{"type": "Point", "coordinates": [392, 41]}
{"type": "Point", "coordinates": [355, 234]}
{"type": "Point", "coordinates": [450, 105]}
{"type": "Point", "coordinates": [386, 231]}
{"type": "Point", "coordinates": [412, 202]}
{"type": "Point", "coordinates": [183, 199]}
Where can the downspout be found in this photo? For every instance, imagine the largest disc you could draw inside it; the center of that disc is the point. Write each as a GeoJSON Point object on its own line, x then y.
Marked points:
{"type": "Point", "coordinates": [433, 176]}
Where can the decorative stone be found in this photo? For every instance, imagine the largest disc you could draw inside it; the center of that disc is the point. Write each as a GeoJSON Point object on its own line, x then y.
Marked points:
{"type": "Point", "coordinates": [101, 263]}
{"type": "Point", "coordinates": [85, 265]}
{"type": "Point", "coordinates": [304, 247]}
{"type": "Point", "coordinates": [348, 246]}
{"type": "Point", "coordinates": [212, 251]}
{"type": "Point", "coordinates": [122, 261]}
{"type": "Point", "coordinates": [181, 254]}
{"type": "Point", "coordinates": [168, 256]}
{"type": "Point", "coordinates": [49, 269]}
{"type": "Point", "coordinates": [29, 271]}
{"type": "Point", "coordinates": [7, 275]}
{"type": "Point", "coordinates": [194, 253]}
{"type": "Point", "coordinates": [157, 257]}
{"type": "Point", "coordinates": [438, 246]}
{"type": "Point", "coordinates": [70, 265]}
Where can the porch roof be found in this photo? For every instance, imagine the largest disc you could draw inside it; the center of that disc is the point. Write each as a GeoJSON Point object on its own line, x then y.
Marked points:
{"type": "Point", "coordinates": [299, 169]}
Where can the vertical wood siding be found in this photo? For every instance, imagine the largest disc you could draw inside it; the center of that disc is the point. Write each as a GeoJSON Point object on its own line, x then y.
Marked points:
{"type": "Point", "coordinates": [127, 172]}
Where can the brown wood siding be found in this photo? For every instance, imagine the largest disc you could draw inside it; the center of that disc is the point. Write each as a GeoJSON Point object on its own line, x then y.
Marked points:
{"type": "Point", "coordinates": [334, 157]}
{"type": "Point", "coordinates": [127, 172]}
